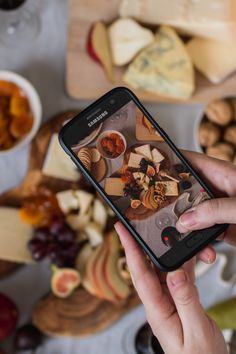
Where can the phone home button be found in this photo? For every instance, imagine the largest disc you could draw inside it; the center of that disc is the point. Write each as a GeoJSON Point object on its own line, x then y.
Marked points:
{"type": "Point", "coordinates": [195, 239]}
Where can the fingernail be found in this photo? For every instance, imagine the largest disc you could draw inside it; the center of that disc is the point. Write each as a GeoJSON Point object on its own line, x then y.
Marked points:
{"type": "Point", "coordinates": [188, 219]}
{"type": "Point", "coordinates": [178, 277]}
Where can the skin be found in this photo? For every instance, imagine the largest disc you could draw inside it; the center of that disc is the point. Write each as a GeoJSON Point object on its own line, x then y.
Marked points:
{"type": "Point", "coordinates": [171, 299]}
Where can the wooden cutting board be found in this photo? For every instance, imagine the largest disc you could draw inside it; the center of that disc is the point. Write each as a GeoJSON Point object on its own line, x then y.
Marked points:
{"type": "Point", "coordinates": [86, 80]}
{"type": "Point", "coordinates": [82, 313]}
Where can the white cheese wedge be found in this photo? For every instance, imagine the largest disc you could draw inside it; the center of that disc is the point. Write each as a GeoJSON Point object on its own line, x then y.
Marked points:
{"type": "Point", "coordinates": [114, 186]}
{"type": "Point", "coordinates": [134, 160]}
{"type": "Point", "coordinates": [57, 164]}
{"type": "Point", "coordinates": [85, 200]}
{"type": "Point", "coordinates": [208, 19]}
{"type": "Point", "coordinates": [14, 236]}
{"type": "Point", "coordinates": [213, 59]}
{"type": "Point", "coordinates": [163, 68]}
{"type": "Point", "coordinates": [67, 200]}
{"type": "Point", "coordinates": [100, 213]}
{"type": "Point", "coordinates": [171, 188]}
{"type": "Point", "coordinates": [144, 150]}
{"type": "Point", "coordinates": [94, 233]}
{"type": "Point", "coordinates": [157, 157]}
{"type": "Point", "coordinates": [127, 38]}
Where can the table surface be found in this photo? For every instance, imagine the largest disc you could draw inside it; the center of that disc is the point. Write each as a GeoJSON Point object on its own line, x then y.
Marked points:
{"type": "Point", "coordinates": [43, 62]}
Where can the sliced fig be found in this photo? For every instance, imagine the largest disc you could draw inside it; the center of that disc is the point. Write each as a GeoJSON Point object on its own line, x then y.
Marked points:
{"type": "Point", "coordinates": [64, 281]}
{"type": "Point", "coordinates": [151, 171]}
{"type": "Point", "coordinates": [135, 203]}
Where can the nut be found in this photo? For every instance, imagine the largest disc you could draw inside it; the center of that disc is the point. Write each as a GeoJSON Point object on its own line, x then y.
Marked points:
{"type": "Point", "coordinates": [208, 134]}
{"type": "Point", "coordinates": [221, 151]}
{"type": "Point", "coordinates": [230, 134]}
{"type": "Point", "coordinates": [220, 112]}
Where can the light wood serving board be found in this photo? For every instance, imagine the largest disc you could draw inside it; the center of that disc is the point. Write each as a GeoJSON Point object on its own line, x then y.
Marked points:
{"type": "Point", "coordinates": [80, 314]}
{"type": "Point", "coordinates": [85, 79]}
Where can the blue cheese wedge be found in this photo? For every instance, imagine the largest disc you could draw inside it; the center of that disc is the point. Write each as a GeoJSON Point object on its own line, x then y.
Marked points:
{"type": "Point", "coordinates": [163, 68]}
{"type": "Point", "coordinates": [57, 164]}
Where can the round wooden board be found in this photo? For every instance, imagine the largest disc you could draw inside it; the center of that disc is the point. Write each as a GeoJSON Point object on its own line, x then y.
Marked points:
{"type": "Point", "coordinates": [81, 313]}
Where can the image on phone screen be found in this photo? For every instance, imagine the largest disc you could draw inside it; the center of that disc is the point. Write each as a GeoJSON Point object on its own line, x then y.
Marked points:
{"type": "Point", "coordinates": [140, 174]}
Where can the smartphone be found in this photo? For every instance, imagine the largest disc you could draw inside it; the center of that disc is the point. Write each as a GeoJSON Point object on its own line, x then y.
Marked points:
{"type": "Point", "coordinates": [140, 173]}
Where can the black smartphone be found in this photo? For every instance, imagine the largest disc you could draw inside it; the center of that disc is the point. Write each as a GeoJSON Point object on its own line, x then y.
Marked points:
{"type": "Point", "coordinates": [140, 173]}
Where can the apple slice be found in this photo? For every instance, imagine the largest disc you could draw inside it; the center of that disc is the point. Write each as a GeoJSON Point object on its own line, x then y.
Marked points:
{"type": "Point", "coordinates": [112, 276]}
{"type": "Point", "coordinates": [98, 48]}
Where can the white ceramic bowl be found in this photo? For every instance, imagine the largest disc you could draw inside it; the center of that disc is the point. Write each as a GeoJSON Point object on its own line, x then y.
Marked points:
{"type": "Point", "coordinates": [103, 135]}
{"type": "Point", "coordinates": [35, 104]}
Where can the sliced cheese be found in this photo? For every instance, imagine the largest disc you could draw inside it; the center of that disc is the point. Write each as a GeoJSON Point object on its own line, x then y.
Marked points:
{"type": "Point", "coordinates": [163, 68]}
{"type": "Point", "coordinates": [14, 236]}
{"type": "Point", "coordinates": [67, 200]}
{"type": "Point", "coordinates": [213, 19]}
{"type": "Point", "coordinates": [157, 157]}
{"type": "Point", "coordinates": [85, 200]}
{"type": "Point", "coordinates": [164, 11]}
{"type": "Point", "coordinates": [171, 188]}
{"type": "Point", "coordinates": [134, 160]}
{"type": "Point", "coordinates": [114, 186]}
{"type": "Point", "coordinates": [213, 59]}
{"type": "Point", "coordinates": [144, 150]}
{"type": "Point", "coordinates": [127, 38]}
{"type": "Point", "coordinates": [57, 164]}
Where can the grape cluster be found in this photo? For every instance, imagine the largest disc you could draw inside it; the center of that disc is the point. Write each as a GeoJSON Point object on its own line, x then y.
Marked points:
{"type": "Point", "coordinates": [132, 190]}
{"type": "Point", "coordinates": [144, 164]}
{"type": "Point", "coordinates": [57, 242]}
{"type": "Point", "coordinates": [28, 337]}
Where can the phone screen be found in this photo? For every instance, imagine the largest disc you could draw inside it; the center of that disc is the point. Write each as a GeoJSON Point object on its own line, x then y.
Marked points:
{"type": "Point", "coordinates": [140, 173]}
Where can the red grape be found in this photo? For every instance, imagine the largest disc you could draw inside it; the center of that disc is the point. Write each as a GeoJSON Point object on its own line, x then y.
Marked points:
{"type": "Point", "coordinates": [28, 337]}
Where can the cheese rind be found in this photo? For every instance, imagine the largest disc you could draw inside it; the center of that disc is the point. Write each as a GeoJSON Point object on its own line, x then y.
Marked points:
{"type": "Point", "coordinates": [114, 186]}
{"type": "Point", "coordinates": [213, 59]}
{"type": "Point", "coordinates": [163, 68]}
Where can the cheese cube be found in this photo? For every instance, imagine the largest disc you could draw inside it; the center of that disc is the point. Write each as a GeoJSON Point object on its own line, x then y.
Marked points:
{"type": "Point", "coordinates": [213, 59]}
{"type": "Point", "coordinates": [144, 150]}
{"type": "Point", "coordinates": [134, 160]}
{"type": "Point", "coordinates": [157, 157]}
{"type": "Point", "coordinates": [67, 200]}
{"type": "Point", "coordinates": [171, 188]}
{"type": "Point", "coordinates": [114, 186]}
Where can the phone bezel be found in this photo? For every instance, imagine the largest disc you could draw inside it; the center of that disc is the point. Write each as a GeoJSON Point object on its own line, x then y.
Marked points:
{"type": "Point", "coordinates": [209, 234]}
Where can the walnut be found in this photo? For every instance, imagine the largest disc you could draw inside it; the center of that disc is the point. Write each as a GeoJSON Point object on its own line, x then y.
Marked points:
{"type": "Point", "coordinates": [221, 151]}
{"type": "Point", "coordinates": [209, 134]}
{"type": "Point", "coordinates": [233, 103]}
{"type": "Point", "coordinates": [220, 112]}
{"type": "Point", "coordinates": [230, 134]}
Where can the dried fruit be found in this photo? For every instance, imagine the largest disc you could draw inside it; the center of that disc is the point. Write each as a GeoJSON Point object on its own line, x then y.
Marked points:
{"type": "Point", "coordinates": [21, 125]}
{"type": "Point", "coordinates": [135, 203]}
{"type": "Point", "coordinates": [64, 281]}
{"type": "Point", "coordinates": [150, 171]}
{"type": "Point", "coordinates": [8, 316]}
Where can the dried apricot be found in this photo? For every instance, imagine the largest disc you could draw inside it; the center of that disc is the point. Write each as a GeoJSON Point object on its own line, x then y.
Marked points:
{"type": "Point", "coordinates": [7, 88]}
{"type": "Point", "coordinates": [19, 104]}
{"type": "Point", "coordinates": [21, 125]}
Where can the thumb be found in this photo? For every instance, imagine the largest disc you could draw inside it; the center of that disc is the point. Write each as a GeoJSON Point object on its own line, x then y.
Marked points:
{"type": "Point", "coordinates": [185, 297]}
{"type": "Point", "coordinates": [208, 213]}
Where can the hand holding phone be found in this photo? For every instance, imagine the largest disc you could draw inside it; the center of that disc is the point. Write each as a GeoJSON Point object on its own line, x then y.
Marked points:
{"type": "Point", "coordinates": [141, 174]}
